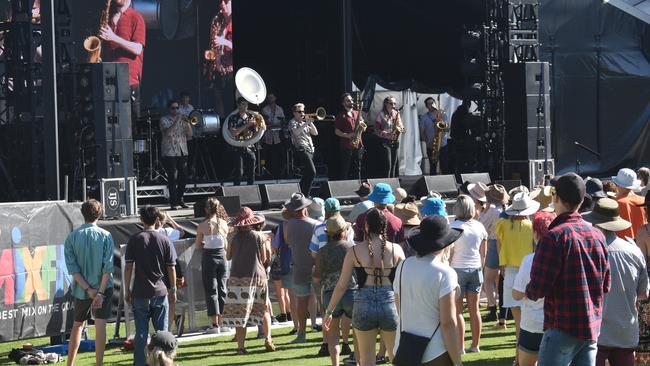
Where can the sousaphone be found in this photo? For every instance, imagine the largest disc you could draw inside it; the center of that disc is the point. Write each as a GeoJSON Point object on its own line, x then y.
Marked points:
{"type": "Point", "coordinates": [252, 88]}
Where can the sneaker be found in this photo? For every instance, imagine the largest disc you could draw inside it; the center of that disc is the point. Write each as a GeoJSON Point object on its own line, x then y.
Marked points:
{"type": "Point", "coordinates": [350, 360]}
{"type": "Point", "coordinates": [293, 331]}
{"type": "Point", "coordinates": [274, 321]}
{"type": "Point", "coordinates": [281, 318]}
{"type": "Point", "coordinates": [289, 319]}
{"type": "Point", "coordinates": [472, 350]}
{"type": "Point", "coordinates": [213, 329]}
{"type": "Point", "coordinates": [316, 328]}
{"type": "Point", "coordinates": [345, 349]}
{"type": "Point", "coordinates": [184, 205]}
{"type": "Point", "coordinates": [223, 329]}
{"type": "Point", "coordinates": [300, 338]}
{"type": "Point", "coordinates": [381, 360]}
{"type": "Point", "coordinates": [499, 326]}
{"type": "Point", "coordinates": [323, 351]}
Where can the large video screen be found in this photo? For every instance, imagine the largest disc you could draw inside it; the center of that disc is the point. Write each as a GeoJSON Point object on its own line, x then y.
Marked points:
{"type": "Point", "coordinates": [218, 56]}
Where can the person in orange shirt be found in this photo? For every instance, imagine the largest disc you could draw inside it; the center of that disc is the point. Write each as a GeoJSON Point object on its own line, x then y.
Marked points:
{"type": "Point", "coordinates": [630, 204]}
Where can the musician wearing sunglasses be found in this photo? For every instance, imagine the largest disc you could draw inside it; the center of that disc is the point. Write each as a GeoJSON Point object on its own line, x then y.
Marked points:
{"type": "Point", "coordinates": [239, 124]}
{"type": "Point", "coordinates": [388, 127]}
{"type": "Point", "coordinates": [302, 129]}
{"type": "Point", "coordinates": [175, 132]}
{"type": "Point", "coordinates": [345, 127]}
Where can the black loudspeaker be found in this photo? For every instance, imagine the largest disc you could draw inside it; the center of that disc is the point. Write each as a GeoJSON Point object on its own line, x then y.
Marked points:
{"type": "Point", "coordinates": [104, 81]}
{"type": "Point", "coordinates": [248, 195]}
{"type": "Point", "coordinates": [530, 172]}
{"type": "Point", "coordinates": [110, 159]}
{"type": "Point", "coordinates": [476, 177]}
{"type": "Point", "coordinates": [274, 195]}
{"type": "Point", "coordinates": [393, 182]}
{"type": "Point", "coordinates": [230, 204]}
{"type": "Point", "coordinates": [343, 190]}
{"type": "Point", "coordinates": [112, 120]}
{"type": "Point", "coordinates": [527, 111]}
{"type": "Point", "coordinates": [444, 184]}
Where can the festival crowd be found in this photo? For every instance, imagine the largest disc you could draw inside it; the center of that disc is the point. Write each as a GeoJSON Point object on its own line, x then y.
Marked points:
{"type": "Point", "coordinates": [566, 262]}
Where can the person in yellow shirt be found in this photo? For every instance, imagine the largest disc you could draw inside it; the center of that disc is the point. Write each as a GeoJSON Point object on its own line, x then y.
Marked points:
{"type": "Point", "coordinates": [515, 241]}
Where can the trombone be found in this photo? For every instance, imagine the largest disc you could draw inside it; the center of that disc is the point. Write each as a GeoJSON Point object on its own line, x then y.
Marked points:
{"type": "Point", "coordinates": [321, 115]}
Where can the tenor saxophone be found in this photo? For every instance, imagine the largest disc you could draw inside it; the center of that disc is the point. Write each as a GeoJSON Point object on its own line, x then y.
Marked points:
{"type": "Point", "coordinates": [361, 126]}
{"type": "Point", "coordinates": [92, 44]}
{"type": "Point", "coordinates": [441, 127]}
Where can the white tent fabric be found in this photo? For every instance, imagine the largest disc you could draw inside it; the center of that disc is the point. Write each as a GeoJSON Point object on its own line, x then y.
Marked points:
{"type": "Point", "coordinates": [410, 152]}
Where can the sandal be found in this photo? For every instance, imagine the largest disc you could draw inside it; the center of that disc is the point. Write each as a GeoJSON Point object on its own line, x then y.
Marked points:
{"type": "Point", "coordinates": [270, 347]}
{"type": "Point", "coordinates": [242, 351]}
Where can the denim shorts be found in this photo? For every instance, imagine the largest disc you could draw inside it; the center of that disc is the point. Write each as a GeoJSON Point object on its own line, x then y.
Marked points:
{"type": "Point", "coordinates": [492, 256]}
{"type": "Point", "coordinates": [469, 279]}
{"type": "Point", "coordinates": [345, 305]}
{"type": "Point", "coordinates": [529, 342]}
{"type": "Point", "coordinates": [374, 308]}
{"type": "Point", "coordinates": [301, 290]}
{"type": "Point", "coordinates": [287, 280]}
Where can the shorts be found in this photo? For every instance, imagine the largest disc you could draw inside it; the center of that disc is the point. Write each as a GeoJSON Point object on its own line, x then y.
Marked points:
{"type": "Point", "coordinates": [492, 256]}
{"type": "Point", "coordinates": [345, 305]}
{"type": "Point", "coordinates": [469, 279]}
{"type": "Point", "coordinates": [508, 283]}
{"type": "Point", "coordinates": [301, 290]}
{"type": "Point", "coordinates": [318, 290]}
{"type": "Point", "coordinates": [374, 308]}
{"type": "Point", "coordinates": [83, 311]}
{"type": "Point", "coordinates": [529, 342]}
{"type": "Point", "coordinates": [287, 280]}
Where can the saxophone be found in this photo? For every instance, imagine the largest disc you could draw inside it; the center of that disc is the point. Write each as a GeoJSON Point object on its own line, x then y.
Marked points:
{"type": "Point", "coordinates": [441, 128]}
{"type": "Point", "coordinates": [213, 55]}
{"type": "Point", "coordinates": [92, 44]}
{"type": "Point", "coordinates": [361, 126]}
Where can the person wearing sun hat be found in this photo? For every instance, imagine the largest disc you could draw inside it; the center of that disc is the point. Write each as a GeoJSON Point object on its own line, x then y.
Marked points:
{"type": "Point", "coordinates": [630, 204]}
{"type": "Point", "coordinates": [515, 241]}
{"type": "Point", "coordinates": [427, 289]}
{"type": "Point", "coordinates": [317, 209]}
{"type": "Point", "coordinates": [570, 271]}
{"type": "Point", "coordinates": [433, 206]}
{"type": "Point", "coordinates": [477, 192]}
{"type": "Point", "coordinates": [629, 282]}
{"type": "Point", "coordinates": [544, 197]}
{"type": "Point", "coordinates": [364, 205]}
{"type": "Point", "coordinates": [410, 216]}
{"type": "Point", "coordinates": [381, 196]}
{"type": "Point", "coordinates": [248, 283]}
{"type": "Point", "coordinates": [497, 198]}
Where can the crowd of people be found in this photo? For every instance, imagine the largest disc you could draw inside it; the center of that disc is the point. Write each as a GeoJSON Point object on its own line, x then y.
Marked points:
{"type": "Point", "coordinates": [567, 262]}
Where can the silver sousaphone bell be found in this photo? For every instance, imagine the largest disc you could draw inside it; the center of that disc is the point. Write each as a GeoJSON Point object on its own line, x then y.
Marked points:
{"type": "Point", "coordinates": [252, 88]}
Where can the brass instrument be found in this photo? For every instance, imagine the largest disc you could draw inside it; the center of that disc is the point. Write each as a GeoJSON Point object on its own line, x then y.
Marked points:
{"type": "Point", "coordinates": [441, 128]}
{"type": "Point", "coordinates": [193, 120]}
{"type": "Point", "coordinates": [360, 126]}
{"type": "Point", "coordinates": [321, 115]}
{"type": "Point", "coordinates": [252, 88]}
{"type": "Point", "coordinates": [92, 44]}
{"type": "Point", "coordinates": [213, 55]}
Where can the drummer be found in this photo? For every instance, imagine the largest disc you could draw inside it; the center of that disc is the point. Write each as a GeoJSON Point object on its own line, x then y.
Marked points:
{"type": "Point", "coordinates": [273, 149]}
{"type": "Point", "coordinates": [185, 108]}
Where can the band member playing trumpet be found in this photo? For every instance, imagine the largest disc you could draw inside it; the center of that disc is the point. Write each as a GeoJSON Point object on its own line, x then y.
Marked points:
{"type": "Point", "coordinates": [273, 149]}
{"type": "Point", "coordinates": [175, 132]}
{"type": "Point", "coordinates": [388, 127]}
{"type": "Point", "coordinates": [302, 128]}
{"type": "Point", "coordinates": [428, 132]}
{"type": "Point", "coordinates": [345, 127]}
{"type": "Point", "coordinates": [238, 124]}
{"type": "Point", "coordinates": [123, 41]}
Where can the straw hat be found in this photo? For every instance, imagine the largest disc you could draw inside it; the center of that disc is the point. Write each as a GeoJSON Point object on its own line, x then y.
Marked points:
{"type": "Point", "coordinates": [496, 193]}
{"type": "Point", "coordinates": [544, 196]}
{"type": "Point", "coordinates": [477, 191]}
{"type": "Point", "coordinates": [408, 213]}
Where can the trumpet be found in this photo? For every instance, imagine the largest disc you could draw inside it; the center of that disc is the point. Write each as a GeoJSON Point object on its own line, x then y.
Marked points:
{"type": "Point", "coordinates": [321, 115]}
{"type": "Point", "coordinates": [191, 120]}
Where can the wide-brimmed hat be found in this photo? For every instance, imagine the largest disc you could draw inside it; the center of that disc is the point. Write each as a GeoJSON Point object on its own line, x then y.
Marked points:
{"type": "Point", "coordinates": [298, 201]}
{"type": "Point", "coordinates": [408, 213]}
{"type": "Point", "coordinates": [477, 191]}
{"type": "Point", "coordinates": [246, 217]}
{"type": "Point", "coordinates": [544, 196]}
{"type": "Point", "coordinates": [522, 205]}
{"type": "Point", "coordinates": [336, 224]}
{"type": "Point", "coordinates": [594, 187]}
{"type": "Point", "coordinates": [516, 190]}
{"type": "Point", "coordinates": [433, 234]}
{"type": "Point", "coordinates": [433, 206]}
{"type": "Point", "coordinates": [364, 189]}
{"type": "Point", "coordinates": [626, 178]}
{"type": "Point", "coordinates": [497, 193]}
{"type": "Point", "coordinates": [317, 209]}
{"type": "Point", "coordinates": [606, 215]}
{"type": "Point", "coordinates": [382, 194]}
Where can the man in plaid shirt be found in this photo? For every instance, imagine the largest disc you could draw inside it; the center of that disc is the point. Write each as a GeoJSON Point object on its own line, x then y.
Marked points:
{"type": "Point", "coordinates": [571, 271]}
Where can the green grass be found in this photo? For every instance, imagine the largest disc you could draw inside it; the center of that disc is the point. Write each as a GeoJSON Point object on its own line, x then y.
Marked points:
{"type": "Point", "coordinates": [497, 348]}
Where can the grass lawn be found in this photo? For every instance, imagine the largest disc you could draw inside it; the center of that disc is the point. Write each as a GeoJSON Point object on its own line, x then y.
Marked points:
{"type": "Point", "coordinates": [497, 348]}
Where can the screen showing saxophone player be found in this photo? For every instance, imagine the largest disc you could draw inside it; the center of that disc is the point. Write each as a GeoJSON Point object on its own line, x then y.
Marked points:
{"type": "Point", "coordinates": [218, 65]}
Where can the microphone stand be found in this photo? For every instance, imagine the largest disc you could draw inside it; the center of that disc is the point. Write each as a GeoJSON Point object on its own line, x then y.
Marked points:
{"type": "Point", "coordinates": [581, 146]}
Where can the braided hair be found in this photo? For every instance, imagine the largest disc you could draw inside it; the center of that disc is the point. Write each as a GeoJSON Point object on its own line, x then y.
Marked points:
{"type": "Point", "coordinates": [376, 221]}
{"type": "Point", "coordinates": [214, 208]}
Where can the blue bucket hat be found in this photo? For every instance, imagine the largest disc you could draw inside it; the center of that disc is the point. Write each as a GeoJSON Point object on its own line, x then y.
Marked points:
{"type": "Point", "coordinates": [433, 206]}
{"type": "Point", "coordinates": [316, 210]}
{"type": "Point", "coordinates": [382, 194]}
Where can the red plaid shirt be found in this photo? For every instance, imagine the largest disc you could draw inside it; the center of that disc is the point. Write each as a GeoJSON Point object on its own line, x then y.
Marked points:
{"type": "Point", "coordinates": [571, 271]}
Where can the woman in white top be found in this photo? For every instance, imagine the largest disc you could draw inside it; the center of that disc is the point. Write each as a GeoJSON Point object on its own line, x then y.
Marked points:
{"type": "Point", "coordinates": [211, 236]}
{"type": "Point", "coordinates": [426, 291]}
{"type": "Point", "coordinates": [467, 259]}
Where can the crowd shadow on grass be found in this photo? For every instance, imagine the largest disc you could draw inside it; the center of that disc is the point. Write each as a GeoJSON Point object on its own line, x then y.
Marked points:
{"type": "Point", "coordinates": [503, 361]}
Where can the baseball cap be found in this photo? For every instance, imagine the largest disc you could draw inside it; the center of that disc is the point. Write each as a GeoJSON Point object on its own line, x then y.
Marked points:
{"type": "Point", "coordinates": [332, 205]}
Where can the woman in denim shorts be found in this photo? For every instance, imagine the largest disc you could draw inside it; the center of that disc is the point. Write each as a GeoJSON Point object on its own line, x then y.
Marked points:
{"type": "Point", "coordinates": [374, 262]}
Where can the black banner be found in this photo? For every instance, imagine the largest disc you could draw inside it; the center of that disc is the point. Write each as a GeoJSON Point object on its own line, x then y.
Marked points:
{"type": "Point", "coordinates": [35, 298]}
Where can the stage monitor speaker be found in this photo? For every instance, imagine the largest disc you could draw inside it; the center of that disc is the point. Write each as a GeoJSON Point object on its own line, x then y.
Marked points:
{"type": "Point", "coordinates": [509, 184]}
{"type": "Point", "coordinates": [342, 190]}
{"type": "Point", "coordinates": [230, 204]}
{"type": "Point", "coordinates": [476, 178]}
{"type": "Point", "coordinates": [248, 195]}
{"type": "Point", "coordinates": [530, 172]}
{"type": "Point", "coordinates": [527, 111]}
{"type": "Point", "coordinates": [104, 81]}
{"type": "Point", "coordinates": [444, 184]}
{"type": "Point", "coordinates": [275, 195]}
{"type": "Point", "coordinates": [393, 182]}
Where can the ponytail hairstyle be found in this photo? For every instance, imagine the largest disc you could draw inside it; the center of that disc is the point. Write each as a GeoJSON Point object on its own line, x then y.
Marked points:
{"type": "Point", "coordinates": [214, 208]}
{"type": "Point", "coordinates": [158, 357]}
{"type": "Point", "coordinates": [377, 223]}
